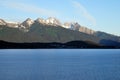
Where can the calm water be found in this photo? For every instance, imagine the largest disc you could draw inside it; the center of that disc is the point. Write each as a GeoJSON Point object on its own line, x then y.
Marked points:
{"type": "Point", "coordinates": [59, 64]}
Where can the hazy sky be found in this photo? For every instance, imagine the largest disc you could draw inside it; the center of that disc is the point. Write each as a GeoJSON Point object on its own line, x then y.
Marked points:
{"type": "Point", "coordinates": [101, 15]}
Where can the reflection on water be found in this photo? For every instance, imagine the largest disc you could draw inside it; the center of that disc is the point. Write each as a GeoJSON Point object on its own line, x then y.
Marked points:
{"type": "Point", "coordinates": [59, 64]}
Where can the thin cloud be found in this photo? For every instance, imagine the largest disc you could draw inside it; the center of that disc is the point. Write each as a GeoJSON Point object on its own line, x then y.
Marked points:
{"type": "Point", "coordinates": [30, 8]}
{"type": "Point", "coordinates": [83, 11]}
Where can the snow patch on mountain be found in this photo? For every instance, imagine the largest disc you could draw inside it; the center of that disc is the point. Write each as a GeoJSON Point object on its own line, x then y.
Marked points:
{"type": "Point", "coordinates": [24, 26]}
{"type": "Point", "coordinates": [53, 21]}
{"type": "Point", "coordinates": [40, 20]}
{"type": "Point", "coordinates": [27, 23]}
{"type": "Point", "coordinates": [12, 24]}
{"type": "Point", "coordinates": [71, 25]}
{"type": "Point", "coordinates": [77, 27]}
{"type": "Point", "coordinates": [50, 21]}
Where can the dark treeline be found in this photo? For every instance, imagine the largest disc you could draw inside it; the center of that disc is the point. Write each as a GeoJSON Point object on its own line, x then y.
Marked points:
{"type": "Point", "coordinates": [54, 45]}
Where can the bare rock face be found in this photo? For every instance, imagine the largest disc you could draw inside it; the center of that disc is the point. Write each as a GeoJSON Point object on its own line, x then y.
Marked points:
{"type": "Point", "coordinates": [72, 26]}
{"type": "Point", "coordinates": [86, 30]}
{"type": "Point", "coordinates": [50, 21]}
{"type": "Point", "coordinates": [53, 21]}
{"type": "Point", "coordinates": [77, 27]}
{"type": "Point", "coordinates": [40, 20]}
{"type": "Point", "coordinates": [27, 23]}
{"type": "Point", "coordinates": [24, 26]}
{"type": "Point", "coordinates": [51, 29]}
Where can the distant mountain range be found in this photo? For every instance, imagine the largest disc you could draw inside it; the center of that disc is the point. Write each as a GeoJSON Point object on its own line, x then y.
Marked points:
{"type": "Point", "coordinates": [52, 30]}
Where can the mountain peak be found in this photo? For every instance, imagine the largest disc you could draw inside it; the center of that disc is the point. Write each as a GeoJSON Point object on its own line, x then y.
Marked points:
{"type": "Point", "coordinates": [75, 26]}
{"type": "Point", "coordinates": [28, 22]}
{"type": "Point", "coordinates": [53, 21]}
{"type": "Point", "coordinates": [72, 25]}
{"type": "Point", "coordinates": [49, 21]}
{"type": "Point", "coordinates": [40, 20]}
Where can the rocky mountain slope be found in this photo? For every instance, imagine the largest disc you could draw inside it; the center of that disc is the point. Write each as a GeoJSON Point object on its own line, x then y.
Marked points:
{"type": "Point", "coordinates": [52, 30]}
{"type": "Point", "coordinates": [43, 33]}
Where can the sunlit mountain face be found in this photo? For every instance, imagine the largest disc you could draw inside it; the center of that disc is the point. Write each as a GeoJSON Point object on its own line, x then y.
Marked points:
{"type": "Point", "coordinates": [52, 30]}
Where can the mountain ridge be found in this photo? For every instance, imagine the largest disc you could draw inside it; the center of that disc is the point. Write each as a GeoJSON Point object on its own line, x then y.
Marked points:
{"type": "Point", "coordinates": [68, 25]}
{"type": "Point", "coordinates": [39, 32]}
{"type": "Point", "coordinates": [49, 21]}
{"type": "Point", "coordinates": [52, 30]}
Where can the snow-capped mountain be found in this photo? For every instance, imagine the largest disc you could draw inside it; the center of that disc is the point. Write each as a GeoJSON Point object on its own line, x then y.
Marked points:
{"type": "Point", "coordinates": [27, 23]}
{"type": "Point", "coordinates": [77, 27]}
{"type": "Point", "coordinates": [24, 26]}
{"type": "Point", "coordinates": [49, 21]}
{"type": "Point", "coordinates": [51, 30]}
{"type": "Point", "coordinates": [9, 23]}
{"type": "Point", "coordinates": [53, 21]}
{"type": "Point", "coordinates": [72, 26]}
{"type": "Point", "coordinates": [41, 21]}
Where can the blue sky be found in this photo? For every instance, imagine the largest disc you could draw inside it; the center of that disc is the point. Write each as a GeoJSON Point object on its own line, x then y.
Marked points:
{"type": "Point", "coordinates": [103, 15]}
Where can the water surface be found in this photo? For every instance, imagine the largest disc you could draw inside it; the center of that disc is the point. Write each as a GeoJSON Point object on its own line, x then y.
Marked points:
{"type": "Point", "coordinates": [59, 64]}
